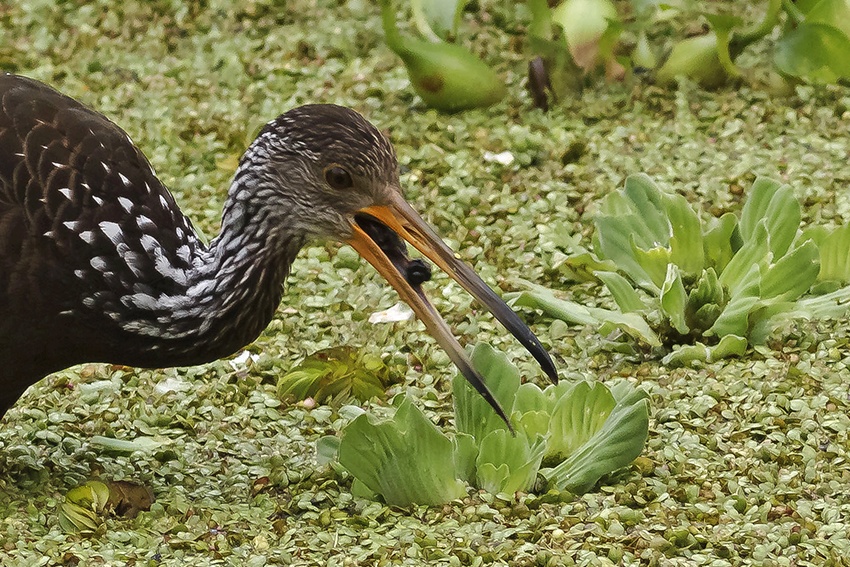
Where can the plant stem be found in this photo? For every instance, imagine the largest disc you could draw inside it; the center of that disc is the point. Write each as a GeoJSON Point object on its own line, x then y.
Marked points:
{"type": "Point", "coordinates": [794, 13]}
{"type": "Point", "coordinates": [541, 19]}
{"type": "Point", "coordinates": [421, 22]}
{"type": "Point", "coordinates": [391, 34]}
{"type": "Point", "coordinates": [771, 18]}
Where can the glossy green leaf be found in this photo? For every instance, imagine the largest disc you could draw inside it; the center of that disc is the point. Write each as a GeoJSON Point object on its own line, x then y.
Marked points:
{"type": "Point", "coordinates": [695, 58]}
{"type": "Point", "coordinates": [815, 52]}
{"type": "Point", "coordinates": [406, 460]}
{"type": "Point", "coordinates": [835, 13]}
{"type": "Point", "coordinates": [674, 299]}
{"type": "Point", "coordinates": [437, 19]}
{"type": "Point", "coordinates": [448, 77]}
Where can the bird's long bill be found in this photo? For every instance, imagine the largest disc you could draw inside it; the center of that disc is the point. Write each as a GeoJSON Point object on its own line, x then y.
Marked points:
{"type": "Point", "coordinates": [404, 222]}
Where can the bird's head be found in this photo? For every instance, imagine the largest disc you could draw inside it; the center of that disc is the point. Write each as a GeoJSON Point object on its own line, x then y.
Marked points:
{"type": "Point", "coordinates": [339, 176]}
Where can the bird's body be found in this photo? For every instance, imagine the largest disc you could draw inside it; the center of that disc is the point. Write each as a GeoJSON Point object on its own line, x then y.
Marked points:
{"type": "Point", "coordinates": [98, 264]}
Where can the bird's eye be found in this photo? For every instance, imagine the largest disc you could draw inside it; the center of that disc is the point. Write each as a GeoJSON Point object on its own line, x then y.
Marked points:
{"type": "Point", "coordinates": [338, 178]}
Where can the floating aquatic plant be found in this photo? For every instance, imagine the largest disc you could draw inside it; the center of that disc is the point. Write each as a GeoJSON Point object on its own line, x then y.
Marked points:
{"type": "Point", "coordinates": [705, 289]}
{"type": "Point", "coordinates": [447, 76]}
{"type": "Point", "coordinates": [578, 432]}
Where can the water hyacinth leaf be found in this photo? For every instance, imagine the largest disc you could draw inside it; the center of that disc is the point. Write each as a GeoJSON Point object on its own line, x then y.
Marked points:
{"type": "Point", "coordinates": [446, 76]}
{"type": "Point", "coordinates": [834, 249]}
{"type": "Point", "coordinates": [585, 22]}
{"type": "Point", "coordinates": [577, 416]}
{"type": "Point", "coordinates": [507, 463]}
{"type": "Point", "coordinates": [695, 58]}
{"type": "Point", "coordinates": [717, 241]}
{"type": "Point", "coordinates": [616, 444]}
{"type": "Point", "coordinates": [686, 246]}
{"type": "Point", "coordinates": [473, 415]}
{"type": "Point", "coordinates": [437, 19]}
{"type": "Point", "coordinates": [835, 13]}
{"type": "Point", "coordinates": [406, 460]}
{"type": "Point", "coordinates": [674, 299]}
{"type": "Point", "coordinates": [722, 26]}
{"type": "Point", "coordinates": [792, 275]}
{"type": "Point", "coordinates": [622, 291]}
{"type": "Point", "coordinates": [684, 355]}
{"type": "Point", "coordinates": [814, 52]}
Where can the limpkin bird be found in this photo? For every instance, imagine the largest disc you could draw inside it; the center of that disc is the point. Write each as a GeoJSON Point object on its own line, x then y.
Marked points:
{"type": "Point", "coordinates": [98, 264]}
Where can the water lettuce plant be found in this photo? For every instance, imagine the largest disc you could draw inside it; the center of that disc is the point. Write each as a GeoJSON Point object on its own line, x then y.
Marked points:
{"type": "Point", "coordinates": [566, 436]}
{"type": "Point", "coordinates": [337, 372]}
{"type": "Point", "coordinates": [708, 288]}
{"type": "Point", "coordinates": [86, 506]}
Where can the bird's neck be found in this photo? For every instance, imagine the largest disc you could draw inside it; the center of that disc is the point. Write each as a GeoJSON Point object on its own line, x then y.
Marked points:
{"type": "Point", "coordinates": [232, 289]}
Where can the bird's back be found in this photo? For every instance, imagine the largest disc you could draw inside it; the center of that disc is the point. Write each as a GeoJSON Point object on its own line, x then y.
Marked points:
{"type": "Point", "coordinates": [84, 223]}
